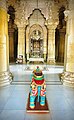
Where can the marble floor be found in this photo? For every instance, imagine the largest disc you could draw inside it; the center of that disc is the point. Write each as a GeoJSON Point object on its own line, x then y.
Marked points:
{"type": "Point", "coordinates": [13, 98]}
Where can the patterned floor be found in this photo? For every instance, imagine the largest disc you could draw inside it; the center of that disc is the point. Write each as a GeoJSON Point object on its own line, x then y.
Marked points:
{"type": "Point", "coordinates": [13, 98]}
{"type": "Point", "coordinates": [24, 76]}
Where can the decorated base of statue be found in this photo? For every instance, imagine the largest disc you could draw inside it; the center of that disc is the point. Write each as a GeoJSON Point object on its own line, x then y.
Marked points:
{"type": "Point", "coordinates": [37, 101]}
{"type": "Point", "coordinates": [38, 108]}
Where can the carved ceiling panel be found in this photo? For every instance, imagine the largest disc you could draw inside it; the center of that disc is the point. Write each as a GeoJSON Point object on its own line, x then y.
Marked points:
{"type": "Point", "coordinates": [24, 8]}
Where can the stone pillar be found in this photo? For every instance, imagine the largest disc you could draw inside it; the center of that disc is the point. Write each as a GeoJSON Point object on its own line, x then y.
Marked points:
{"type": "Point", "coordinates": [68, 74]}
{"type": "Point", "coordinates": [45, 44]}
{"type": "Point", "coordinates": [21, 42]}
{"type": "Point", "coordinates": [5, 75]}
{"type": "Point", "coordinates": [21, 23]}
{"type": "Point", "coordinates": [51, 43]}
{"type": "Point", "coordinates": [27, 43]}
{"type": "Point", "coordinates": [11, 43]}
{"type": "Point", "coordinates": [61, 45]}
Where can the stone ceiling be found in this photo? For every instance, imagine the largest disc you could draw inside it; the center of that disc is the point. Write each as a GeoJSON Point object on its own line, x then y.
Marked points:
{"type": "Point", "coordinates": [43, 5]}
{"type": "Point", "coordinates": [59, 2]}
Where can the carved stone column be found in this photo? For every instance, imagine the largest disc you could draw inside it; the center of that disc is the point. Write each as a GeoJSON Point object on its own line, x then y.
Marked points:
{"type": "Point", "coordinates": [51, 43]}
{"type": "Point", "coordinates": [21, 42]}
{"type": "Point", "coordinates": [21, 23]}
{"type": "Point", "coordinates": [5, 75]}
{"type": "Point", "coordinates": [45, 44]}
{"type": "Point", "coordinates": [68, 75]}
{"type": "Point", "coordinates": [51, 24]}
{"type": "Point", "coordinates": [11, 42]}
{"type": "Point", "coordinates": [61, 45]}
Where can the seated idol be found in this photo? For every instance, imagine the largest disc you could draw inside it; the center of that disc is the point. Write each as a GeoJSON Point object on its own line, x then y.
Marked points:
{"type": "Point", "coordinates": [37, 88]}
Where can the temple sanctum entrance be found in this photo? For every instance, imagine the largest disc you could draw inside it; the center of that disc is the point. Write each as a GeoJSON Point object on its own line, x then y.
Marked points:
{"type": "Point", "coordinates": [36, 40]}
{"type": "Point", "coordinates": [36, 46]}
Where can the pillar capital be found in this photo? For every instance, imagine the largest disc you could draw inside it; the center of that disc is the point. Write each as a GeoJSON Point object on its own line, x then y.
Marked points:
{"type": "Point", "coordinates": [21, 23]}
{"type": "Point", "coordinates": [51, 24]}
{"type": "Point", "coordinates": [69, 13]}
{"type": "Point", "coordinates": [66, 13]}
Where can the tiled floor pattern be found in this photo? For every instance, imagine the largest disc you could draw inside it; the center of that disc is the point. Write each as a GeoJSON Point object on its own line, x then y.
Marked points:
{"type": "Point", "coordinates": [13, 98]}
{"type": "Point", "coordinates": [24, 76]}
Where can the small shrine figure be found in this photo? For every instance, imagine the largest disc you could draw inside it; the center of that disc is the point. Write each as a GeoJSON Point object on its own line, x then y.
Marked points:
{"type": "Point", "coordinates": [37, 88]}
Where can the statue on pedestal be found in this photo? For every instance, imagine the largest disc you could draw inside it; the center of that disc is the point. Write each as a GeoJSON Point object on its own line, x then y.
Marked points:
{"type": "Point", "coordinates": [37, 88]}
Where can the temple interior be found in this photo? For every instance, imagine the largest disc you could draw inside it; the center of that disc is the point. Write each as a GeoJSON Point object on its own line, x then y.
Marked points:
{"type": "Point", "coordinates": [36, 33]}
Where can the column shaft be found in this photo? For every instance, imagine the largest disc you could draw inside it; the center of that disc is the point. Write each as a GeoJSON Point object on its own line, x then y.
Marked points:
{"type": "Point", "coordinates": [11, 45]}
{"type": "Point", "coordinates": [61, 45]}
{"type": "Point", "coordinates": [51, 46]}
{"type": "Point", "coordinates": [5, 75]}
{"type": "Point", "coordinates": [68, 75]}
{"type": "Point", "coordinates": [21, 42]}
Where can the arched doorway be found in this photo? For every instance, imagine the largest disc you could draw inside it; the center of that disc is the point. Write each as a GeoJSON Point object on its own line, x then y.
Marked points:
{"type": "Point", "coordinates": [36, 37]}
{"type": "Point", "coordinates": [36, 44]}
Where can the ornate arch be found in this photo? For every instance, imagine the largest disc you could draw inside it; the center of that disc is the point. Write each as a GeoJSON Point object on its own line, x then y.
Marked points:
{"type": "Point", "coordinates": [36, 27]}
{"type": "Point", "coordinates": [31, 13]}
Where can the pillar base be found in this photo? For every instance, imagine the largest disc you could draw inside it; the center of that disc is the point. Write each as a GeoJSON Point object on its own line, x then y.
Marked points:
{"type": "Point", "coordinates": [5, 78]}
{"type": "Point", "coordinates": [50, 61]}
{"type": "Point", "coordinates": [24, 61]}
{"type": "Point", "coordinates": [44, 57]}
{"type": "Point", "coordinates": [68, 79]}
